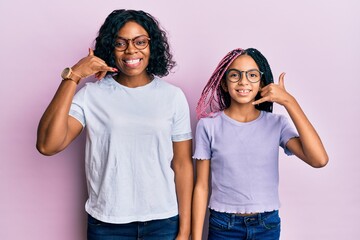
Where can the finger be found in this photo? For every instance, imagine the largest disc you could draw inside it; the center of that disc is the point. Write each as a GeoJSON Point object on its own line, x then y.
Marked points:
{"type": "Point", "coordinates": [91, 52]}
{"type": "Point", "coordinates": [267, 87]}
{"type": "Point", "coordinates": [261, 100]}
{"type": "Point", "coordinates": [264, 91]}
{"type": "Point", "coordinates": [106, 69]}
{"type": "Point", "coordinates": [281, 80]}
{"type": "Point", "coordinates": [102, 74]}
{"type": "Point", "coordinates": [97, 75]}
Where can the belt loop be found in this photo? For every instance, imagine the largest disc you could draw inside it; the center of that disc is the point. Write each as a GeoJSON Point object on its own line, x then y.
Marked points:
{"type": "Point", "coordinates": [260, 217]}
{"type": "Point", "coordinates": [231, 221]}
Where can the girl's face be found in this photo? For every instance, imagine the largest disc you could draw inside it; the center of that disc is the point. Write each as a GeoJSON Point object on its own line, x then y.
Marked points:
{"type": "Point", "coordinates": [243, 91]}
{"type": "Point", "coordinates": [132, 62]}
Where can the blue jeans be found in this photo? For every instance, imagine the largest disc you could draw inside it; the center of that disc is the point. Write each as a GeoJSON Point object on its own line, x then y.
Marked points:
{"type": "Point", "coordinates": [263, 226]}
{"type": "Point", "coordinates": [163, 229]}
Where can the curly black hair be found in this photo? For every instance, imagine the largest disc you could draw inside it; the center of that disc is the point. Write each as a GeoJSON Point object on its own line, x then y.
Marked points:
{"type": "Point", "coordinates": [160, 62]}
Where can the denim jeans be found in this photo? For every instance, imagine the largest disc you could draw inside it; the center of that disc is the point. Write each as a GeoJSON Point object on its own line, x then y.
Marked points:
{"type": "Point", "coordinates": [163, 229]}
{"type": "Point", "coordinates": [263, 226]}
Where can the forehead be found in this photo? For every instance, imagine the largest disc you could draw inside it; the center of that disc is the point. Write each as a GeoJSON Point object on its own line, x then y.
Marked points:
{"type": "Point", "coordinates": [243, 63]}
{"type": "Point", "coordinates": [131, 29]}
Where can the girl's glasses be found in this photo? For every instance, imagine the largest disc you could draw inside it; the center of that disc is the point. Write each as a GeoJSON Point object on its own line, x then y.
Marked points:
{"type": "Point", "coordinates": [234, 75]}
{"type": "Point", "coordinates": [139, 42]}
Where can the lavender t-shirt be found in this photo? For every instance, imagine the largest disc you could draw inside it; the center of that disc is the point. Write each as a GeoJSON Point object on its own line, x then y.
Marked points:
{"type": "Point", "coordinates": [244, 160]}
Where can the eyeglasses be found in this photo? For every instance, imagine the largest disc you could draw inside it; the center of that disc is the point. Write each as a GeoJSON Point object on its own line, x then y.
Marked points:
{"type": "Point", "coordinates": [139, 42]}
{"type": "Point", "coordinates": [234, 75]}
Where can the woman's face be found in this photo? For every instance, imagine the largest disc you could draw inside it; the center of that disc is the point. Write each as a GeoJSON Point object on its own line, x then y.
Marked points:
{"type": "Point", "coordinates": [243, 91]}
{"type": "Point", "coordinates": [132, 62]}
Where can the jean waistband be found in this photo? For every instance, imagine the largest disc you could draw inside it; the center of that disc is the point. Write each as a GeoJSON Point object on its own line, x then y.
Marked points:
{"type": "Point", "coordinates": [227, 216]}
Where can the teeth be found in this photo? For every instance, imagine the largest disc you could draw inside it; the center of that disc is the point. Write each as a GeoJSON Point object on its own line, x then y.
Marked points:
{"type": "Point", "coordinates": [132, 61]}
{"type": "Point", "coordinates": [244, 91]}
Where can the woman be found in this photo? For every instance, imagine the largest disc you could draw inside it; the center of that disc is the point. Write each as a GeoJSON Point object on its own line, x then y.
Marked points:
{"type": "Point", "coordinates": [138, 132]}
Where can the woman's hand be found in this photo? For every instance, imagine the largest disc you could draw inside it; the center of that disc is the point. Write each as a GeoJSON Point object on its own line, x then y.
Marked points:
{"type": "Point", "coordinates": [275, 93]}
{"type": "Point", "coordinates": [92, 65]}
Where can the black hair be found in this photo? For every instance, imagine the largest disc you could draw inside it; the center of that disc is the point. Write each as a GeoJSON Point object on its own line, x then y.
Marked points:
{"type": "Point", "coordinates": [160, 62]}
{"type": "Point", "coordinates": [266, 78]}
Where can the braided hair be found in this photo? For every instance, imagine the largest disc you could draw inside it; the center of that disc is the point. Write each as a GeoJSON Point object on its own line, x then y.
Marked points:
{"type": "Point", "coordinates": [214, 98]}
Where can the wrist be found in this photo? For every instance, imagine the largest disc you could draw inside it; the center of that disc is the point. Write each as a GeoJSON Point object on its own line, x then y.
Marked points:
{"type": "Point", "coordinates": [289, 102]}
{"type": "Point", "coordinates": [69, 74]}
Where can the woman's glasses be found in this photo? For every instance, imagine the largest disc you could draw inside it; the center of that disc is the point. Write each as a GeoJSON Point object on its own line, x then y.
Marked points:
{"type": "Point", "coordinates": [139, 42]}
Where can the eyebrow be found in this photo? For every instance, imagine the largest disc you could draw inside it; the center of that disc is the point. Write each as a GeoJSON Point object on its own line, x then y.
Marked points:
{"type": "Point", "coordinates": [132, 38]}
{"type": "Point", "coordinates": [243, 70]}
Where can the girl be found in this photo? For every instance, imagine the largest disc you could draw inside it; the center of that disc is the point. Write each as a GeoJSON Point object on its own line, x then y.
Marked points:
{"type": "Point", "coordinates": [138, 144]}
{"type": "Point", "coordinates": [237, 140]}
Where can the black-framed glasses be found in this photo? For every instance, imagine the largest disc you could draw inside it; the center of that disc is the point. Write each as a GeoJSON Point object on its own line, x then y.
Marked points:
{"type": "Point", "coordinates": [139, 42]}
{"type": "Point", "coordinates": [252, 75]}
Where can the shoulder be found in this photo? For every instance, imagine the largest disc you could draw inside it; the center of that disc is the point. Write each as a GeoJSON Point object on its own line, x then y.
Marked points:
{"type": "Point", "coordinates": [210, 121]}
{"type": "Point", "coordinates": [169, 91]}
{"type": "Point", "coordinates": [275, 119]}
{"type": "Point", "coordinates": [166, 86]}
{"type": "Point", "coordinates": [273, 116]}
{"type": "Point", "coordinates": [91, 85]}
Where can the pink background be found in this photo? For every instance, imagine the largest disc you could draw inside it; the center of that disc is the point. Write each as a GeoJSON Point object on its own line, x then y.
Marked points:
{"type": "Point", "coordinates": [315, 42]}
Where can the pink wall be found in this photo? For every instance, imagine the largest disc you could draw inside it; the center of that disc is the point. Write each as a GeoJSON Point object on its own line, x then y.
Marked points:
{"type": "Point", "coordinates": [315, 42]}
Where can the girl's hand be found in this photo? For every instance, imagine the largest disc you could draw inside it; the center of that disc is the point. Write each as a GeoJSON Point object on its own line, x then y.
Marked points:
{"type": "Point", "coordinates": [92, 65]}
{"type": "Point", "coordinates": [274, 93]}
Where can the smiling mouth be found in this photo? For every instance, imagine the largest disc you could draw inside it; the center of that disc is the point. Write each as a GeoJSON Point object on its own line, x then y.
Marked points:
{"type": "Point", "coordinates": [243, 91]}
{"type": "Point", "coordinates": [132, 61]}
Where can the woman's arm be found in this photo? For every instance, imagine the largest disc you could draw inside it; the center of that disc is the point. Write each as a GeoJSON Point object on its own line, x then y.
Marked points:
{"type": "Point", "coordinates": [56, 128]}
{"type": "Point", "coordinates": [184, 182]}
{"type": "Point", "coordinates": [308, 146]}
{"type": "Point", "coordinates": [200, 198]}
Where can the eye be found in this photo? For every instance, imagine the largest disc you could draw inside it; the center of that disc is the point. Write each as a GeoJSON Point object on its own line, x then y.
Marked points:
{"type": "Point", "coordinates": [232, 74]}
{"type": "Point", "coordinates": [253, 74]}
{"type": "Point", "coordinates": [120, 44]}
{"type": "Point", "coordinates": [141, 41]}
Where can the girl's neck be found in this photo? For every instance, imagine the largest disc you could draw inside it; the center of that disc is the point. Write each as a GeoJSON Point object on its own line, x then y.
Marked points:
{"type": "Point", "coordinates": [242, 113]}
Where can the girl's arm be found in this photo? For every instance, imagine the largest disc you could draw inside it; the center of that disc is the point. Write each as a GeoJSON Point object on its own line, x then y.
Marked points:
{"type": "Point", "coordinates": [56, 128]}
{"type": "Point", "coordinates": [308, 146]}
{"type": "Point", "coordinates": [200, 198]}
{"type": "Point", "coordinates": [184, 182]}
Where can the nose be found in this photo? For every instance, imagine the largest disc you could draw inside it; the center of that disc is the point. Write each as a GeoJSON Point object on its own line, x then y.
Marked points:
{"type": "Point", "coordinates": [243, 79]}
{"type": "Point", "coordinates": [130, 47]}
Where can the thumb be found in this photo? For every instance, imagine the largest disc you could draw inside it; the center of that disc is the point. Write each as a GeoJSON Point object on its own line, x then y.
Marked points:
{"type": "Point", "coordinates": [91, 52]}
{"type": "Point", "coordinates": [281, 80]}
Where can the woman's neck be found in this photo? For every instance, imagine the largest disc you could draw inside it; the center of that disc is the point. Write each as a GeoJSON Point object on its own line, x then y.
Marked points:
{"type": "Point", "coordinates": [133, 81]}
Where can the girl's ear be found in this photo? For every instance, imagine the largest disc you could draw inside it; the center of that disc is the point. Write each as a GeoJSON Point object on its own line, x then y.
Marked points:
{"type": "Point", "coordinates": [261, 85]}
{"type": "Point", "coordinates": [224, 85]}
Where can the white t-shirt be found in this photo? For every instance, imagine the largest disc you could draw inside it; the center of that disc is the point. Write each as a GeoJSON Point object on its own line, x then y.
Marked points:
{"type": "Point", "coordinates": [130, 132]}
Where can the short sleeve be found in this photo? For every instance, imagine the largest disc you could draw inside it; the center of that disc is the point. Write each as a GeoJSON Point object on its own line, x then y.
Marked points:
{"type": "Point", "coordinates": [287, 132]}
{"type": "Point", "coordinates": [202, 142]}
{"type": "Point", "coordinates": [77, 106]}
{"type": "Point", "coordinates": [181, 129]}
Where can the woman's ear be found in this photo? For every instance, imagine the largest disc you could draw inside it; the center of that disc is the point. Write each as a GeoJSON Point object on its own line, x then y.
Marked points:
{"type": "Point", "coordinates": [224, 85]}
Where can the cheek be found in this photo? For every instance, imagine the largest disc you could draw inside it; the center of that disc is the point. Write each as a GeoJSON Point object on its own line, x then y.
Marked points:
{"type": "Point", "coordinates": [117, 57]}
